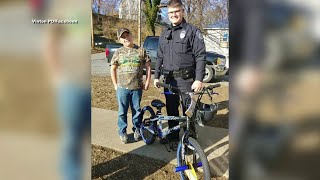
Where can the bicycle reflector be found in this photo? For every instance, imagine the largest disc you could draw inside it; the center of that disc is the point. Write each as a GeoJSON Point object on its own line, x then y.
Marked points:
{"type": "Point", "coordinates": [206, 113]}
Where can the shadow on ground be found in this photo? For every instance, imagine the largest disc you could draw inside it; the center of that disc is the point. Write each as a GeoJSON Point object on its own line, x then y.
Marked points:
{"type": "Point", "coordinates": [129, 166]}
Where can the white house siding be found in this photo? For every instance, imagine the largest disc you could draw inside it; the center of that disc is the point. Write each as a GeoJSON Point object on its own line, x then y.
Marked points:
{"type": "Point", "coordinates": [214, 41]}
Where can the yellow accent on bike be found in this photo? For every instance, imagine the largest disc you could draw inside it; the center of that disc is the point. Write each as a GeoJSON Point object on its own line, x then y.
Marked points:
{"type": "Point", "coordinates": [191, 173]}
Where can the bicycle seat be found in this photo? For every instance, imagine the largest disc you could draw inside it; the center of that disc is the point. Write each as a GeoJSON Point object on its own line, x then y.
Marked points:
{"type": "Point", "coordinates": [157, 103]}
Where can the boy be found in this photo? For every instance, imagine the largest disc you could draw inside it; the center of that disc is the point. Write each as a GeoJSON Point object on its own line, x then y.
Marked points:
{"type": "Point", "coordinates": [126, 74]}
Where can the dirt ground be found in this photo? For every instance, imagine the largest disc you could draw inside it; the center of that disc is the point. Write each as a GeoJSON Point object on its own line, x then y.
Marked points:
{"type": "Point", "coordinates": [110, 164]}
{"type": "Point", "coordinates": [97, 50]}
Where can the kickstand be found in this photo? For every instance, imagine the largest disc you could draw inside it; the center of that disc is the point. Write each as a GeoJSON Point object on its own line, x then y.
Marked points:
{"type": "Point", "coordinates": [168, 149]}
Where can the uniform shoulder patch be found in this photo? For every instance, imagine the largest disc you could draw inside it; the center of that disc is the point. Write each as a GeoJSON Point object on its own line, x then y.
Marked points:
{"type": "Point", "coordinates": [199, 34]}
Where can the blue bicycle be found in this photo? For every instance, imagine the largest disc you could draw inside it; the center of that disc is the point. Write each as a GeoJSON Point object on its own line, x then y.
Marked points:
{"type": "Point", "coordinates": [191, 159]}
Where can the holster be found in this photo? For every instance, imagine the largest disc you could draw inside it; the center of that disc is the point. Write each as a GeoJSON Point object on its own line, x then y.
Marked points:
{"type": "Point", "coordinates": [166, 73]}
{"type": "Point", "coordinates": [187, 73]}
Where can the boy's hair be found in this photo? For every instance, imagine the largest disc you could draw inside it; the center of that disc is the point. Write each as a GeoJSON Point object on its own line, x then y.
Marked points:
{"type": "Point", "coordinates": [175, 3]}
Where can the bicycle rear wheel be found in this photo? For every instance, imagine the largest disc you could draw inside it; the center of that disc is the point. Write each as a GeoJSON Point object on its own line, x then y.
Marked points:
{"type": "Point", "coordinates": [192, 161]}
{"type": "Point", "coordinates": [147, 129]}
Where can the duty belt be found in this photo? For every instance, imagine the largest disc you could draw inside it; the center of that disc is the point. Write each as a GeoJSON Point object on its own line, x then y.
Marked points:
{"type": "Point", "coordinates": [177, 74]}
{"type": "Point", "coordinates": [185, 72]}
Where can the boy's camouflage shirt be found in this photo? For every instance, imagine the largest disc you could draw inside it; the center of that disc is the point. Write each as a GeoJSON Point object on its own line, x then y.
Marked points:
{"type": "Point", "coordinates": [130, 62]}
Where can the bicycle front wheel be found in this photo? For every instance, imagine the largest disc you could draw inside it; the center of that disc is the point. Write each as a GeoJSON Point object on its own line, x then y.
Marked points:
{"type": "Point", "coordinates": [192, 161]}
{"type": "Point", "coordinates": [147, 127]}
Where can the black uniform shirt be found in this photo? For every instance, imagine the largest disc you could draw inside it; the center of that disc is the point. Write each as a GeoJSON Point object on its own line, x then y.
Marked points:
{"type": "Point", "coordinates": [180, 47]}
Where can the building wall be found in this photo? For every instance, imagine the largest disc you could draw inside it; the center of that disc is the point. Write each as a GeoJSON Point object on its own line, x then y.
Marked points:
{"type": "Point", "coordinates": [217, 40]}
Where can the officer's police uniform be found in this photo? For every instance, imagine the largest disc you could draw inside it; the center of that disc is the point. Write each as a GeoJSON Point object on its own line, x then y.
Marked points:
{"type": "Point", "coordinates": [180, 47]}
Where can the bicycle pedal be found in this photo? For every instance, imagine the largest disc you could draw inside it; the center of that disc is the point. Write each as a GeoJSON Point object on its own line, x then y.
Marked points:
{"type": "Point", "coordinates": [173, 146]}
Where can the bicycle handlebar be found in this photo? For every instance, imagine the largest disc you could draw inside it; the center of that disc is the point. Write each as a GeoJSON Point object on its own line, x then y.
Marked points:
{"type": "Point", "coordinates": [213, 86]}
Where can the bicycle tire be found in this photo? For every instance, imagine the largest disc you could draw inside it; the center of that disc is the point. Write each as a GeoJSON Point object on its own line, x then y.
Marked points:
{"type": "Point", "coordinates": [202, 157]}
{"type": "Point", "coordinates": [146, 135]}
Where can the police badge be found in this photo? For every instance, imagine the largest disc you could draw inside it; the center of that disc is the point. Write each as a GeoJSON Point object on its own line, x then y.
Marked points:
{"type": "Point", "coordinates": [182, 34]}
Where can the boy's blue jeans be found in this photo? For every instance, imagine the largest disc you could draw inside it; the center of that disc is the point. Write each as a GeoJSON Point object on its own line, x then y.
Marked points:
{"type": "Point", "coordinates": [126, 97]}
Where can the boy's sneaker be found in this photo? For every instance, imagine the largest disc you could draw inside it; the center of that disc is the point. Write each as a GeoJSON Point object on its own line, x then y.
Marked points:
{"type": "Point", "coordinates": [137, 135]}
{"type": "Point", "coordinates": [124, 138]}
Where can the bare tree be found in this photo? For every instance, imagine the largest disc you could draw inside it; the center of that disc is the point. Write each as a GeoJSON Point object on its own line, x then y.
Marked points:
{"type": "Point", "coordinates": [99, 3]}
{"type": "Point", "coordinates": [107, 7]}
{"type": "Point", "coordinates": [151, 12]}
{"type": "Point", "coordinates": [221, 7]}
{"type": "Point", "coordinates": [201, 13]}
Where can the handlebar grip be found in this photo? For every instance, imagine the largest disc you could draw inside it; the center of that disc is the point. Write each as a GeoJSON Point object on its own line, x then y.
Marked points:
{"type": "Point", "coordinates": [186, 167]}
{"type": "Point", "coordinates": [181, 168]}
{"type": "Point", "coordinates": [168, 86]}
{"type": "Point", "coordinates": [213, 86]}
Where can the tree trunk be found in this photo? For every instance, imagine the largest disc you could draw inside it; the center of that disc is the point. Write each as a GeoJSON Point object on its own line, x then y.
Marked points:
{"type": "Point", "coordinates": [200, 14]}
{"type": "Point", "coordinates": [151, 9]}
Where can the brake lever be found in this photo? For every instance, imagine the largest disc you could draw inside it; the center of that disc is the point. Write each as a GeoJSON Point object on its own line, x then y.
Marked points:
{"type": "Point", "coordinates": [212, 93]}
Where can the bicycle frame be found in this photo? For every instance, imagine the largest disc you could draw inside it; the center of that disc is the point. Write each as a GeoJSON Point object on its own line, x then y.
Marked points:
{"type": "Point", "coordinates": [159, 128]}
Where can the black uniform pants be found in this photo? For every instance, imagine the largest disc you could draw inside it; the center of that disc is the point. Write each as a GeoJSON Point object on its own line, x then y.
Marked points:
{"type": "Point", "coordinates": [173, 101]}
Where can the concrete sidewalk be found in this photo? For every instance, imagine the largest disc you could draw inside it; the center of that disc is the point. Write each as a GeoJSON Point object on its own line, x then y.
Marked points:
{"type": "Point", "coordinates": [215, 141]}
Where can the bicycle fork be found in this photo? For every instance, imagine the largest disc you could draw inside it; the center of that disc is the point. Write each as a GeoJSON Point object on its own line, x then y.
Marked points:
{"type": "Point", "coordinates": [185, 146]}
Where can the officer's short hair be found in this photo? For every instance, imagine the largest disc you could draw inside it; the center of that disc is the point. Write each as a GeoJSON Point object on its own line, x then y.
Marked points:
{"type": "Point", "coordinates": [175, 3]}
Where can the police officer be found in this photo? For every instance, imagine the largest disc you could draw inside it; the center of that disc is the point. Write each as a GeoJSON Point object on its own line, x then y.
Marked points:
{"type": "Point", "coordinates": [182, 57]}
